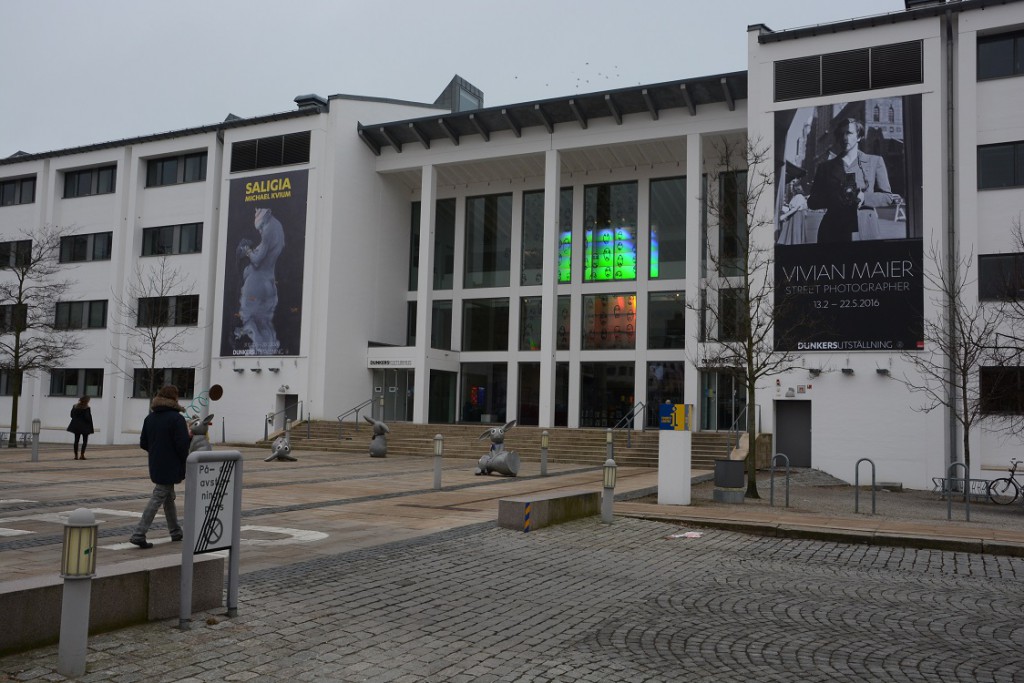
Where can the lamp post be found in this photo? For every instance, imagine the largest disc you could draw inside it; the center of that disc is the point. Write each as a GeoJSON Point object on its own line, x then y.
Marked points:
{"type": "Point", "coordinates": [610, 470]}
{"type": "Point", "coordinates": [438, 453]}
{"type": "Point", "coordinates": [36, 427]}
{"type": "Point", "coordinates": [544, 436]}
{"type": "Point", "coordinates": [77, 566]}
{"type": "Point", "coordinates": [609, 445]}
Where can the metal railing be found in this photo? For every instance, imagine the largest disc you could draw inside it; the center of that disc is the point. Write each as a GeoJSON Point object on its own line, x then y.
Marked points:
{"type": "Point", "coordinates": [627, 422]}
{"type": "Point", "coordinates": [735, 432]}
{"type": "Point", "coordinates": [352, 411]}
{"type": "Point", "coordinates": [272, 419]}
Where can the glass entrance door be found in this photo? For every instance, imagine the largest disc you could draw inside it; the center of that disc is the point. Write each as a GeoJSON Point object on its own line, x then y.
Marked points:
{"type": "Point", "coordinates": [722, 400]}
{"type": "Point", "coordinates": [394, 390]}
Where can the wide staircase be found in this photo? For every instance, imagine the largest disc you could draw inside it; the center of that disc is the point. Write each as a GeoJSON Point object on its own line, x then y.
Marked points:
{"type": "Point", "coordinates": [570, 446]}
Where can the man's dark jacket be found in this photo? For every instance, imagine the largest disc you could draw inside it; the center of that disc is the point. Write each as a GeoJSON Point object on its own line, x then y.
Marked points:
{"type": "Point", "coordinates": [165, 438]}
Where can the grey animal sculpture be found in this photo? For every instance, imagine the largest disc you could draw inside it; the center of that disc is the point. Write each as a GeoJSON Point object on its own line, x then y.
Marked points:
{"type": "Point", "coordinates": [281, 450]}
{"type": "Point", "coordinates": [498, 460]}
{"type": "Point", "coordinates": [379, 442]}
{"type": "Point", "coordinates": [200, 427]}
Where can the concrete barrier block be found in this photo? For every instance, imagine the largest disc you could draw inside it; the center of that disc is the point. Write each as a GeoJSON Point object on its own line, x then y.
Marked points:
{"type": "Point", "coordinates": [525, 513]}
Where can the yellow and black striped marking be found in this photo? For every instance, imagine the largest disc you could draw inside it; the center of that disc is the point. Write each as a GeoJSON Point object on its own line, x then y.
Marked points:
{"type": "Point", "coordinates": [526, 517]}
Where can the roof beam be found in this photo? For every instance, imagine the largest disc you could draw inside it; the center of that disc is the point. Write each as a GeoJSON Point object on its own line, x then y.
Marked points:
{"type": "Point", "coordinates": [392, 140]}
{"type": "Point", "coordinates": [688, 100]}
{"type": "Point", "coordinates": [578, 113]}
{"type": "Point", "coordinates": [364, 136]}
{"type": "Point", "coordinates": [480, 127]}
{"type": "Point", "coordinates": [516, 128]}
{"type": "Point", "coordinates": [544, 118]}
{"type": "Point", "coordinates": [649, 101]}
{"type": "Point", "coordinates": [728, 94]}
{"type": "Point", "coordinates": [449, 131]}
{"type": "Point", "coordinates": [424, 140]}
{"type": "Point", "coordinates": [614, 109]}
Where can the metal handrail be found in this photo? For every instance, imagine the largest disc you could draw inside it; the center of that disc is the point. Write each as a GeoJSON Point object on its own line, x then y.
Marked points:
{"type": "Point", "coordinates": [627, 422]}
{"type": "Point", "coordinates": [271, 418]}
{"type": "Point", "coordinates": [352, 411]}
{"type": "Point", "coordinates": [735, 431]}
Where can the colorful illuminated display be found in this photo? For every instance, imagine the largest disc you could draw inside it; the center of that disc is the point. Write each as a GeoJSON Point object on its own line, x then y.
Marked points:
{"type": "Point", "coordinates": [565, 256]}
{"type": "Point", "coordinates": [609, 255]}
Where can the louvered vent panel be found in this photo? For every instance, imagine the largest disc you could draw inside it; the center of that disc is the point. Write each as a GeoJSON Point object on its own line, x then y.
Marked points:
{"type": "Point", "coordinates": [899, 64]}
{"type": "Point", "coordinates": [797, 78]}
{"type": "Point", "coordinates": [296, 148]}
{"type": "Point", "coordinates": [268, 152]}
{"type": "Point", "coordinates": [845, 72]}
{"type": "Point", "coordinates": [243, 156]}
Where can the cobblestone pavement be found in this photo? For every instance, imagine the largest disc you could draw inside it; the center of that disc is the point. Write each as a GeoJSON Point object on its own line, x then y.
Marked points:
{"type": "Point", "coordinates": [634, 601]}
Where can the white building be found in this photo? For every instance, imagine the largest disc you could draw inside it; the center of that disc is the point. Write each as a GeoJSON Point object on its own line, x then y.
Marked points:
{"type": "Point", "coordinates": [456, 262]}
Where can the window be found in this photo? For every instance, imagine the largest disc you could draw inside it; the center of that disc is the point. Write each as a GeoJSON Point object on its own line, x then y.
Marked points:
{"type": "Point", "coordinates": [441, 325]}
{"type": "Point", "coordinates": [92, 247]}
{"type": "Point", "coordinates": [81, 315]}
{"type": "Point", "coordinates": [410, 323]}
{"type": "Point", "coordinates": [529, 323]}
{"type": "Point", "coordinates": [17, 191]}
{"type": "Point", "coordinates": [414, 248]}
{"type": "Point", "coordinates": [76, 382]}
{"type": "Point", "coordinates": [488, 241]}
{"type": "Point", "coordinates": [185, 168]}
{"type": "Point", "coordinates": [183, 378]}
{"type": "Point", "coordinates": [485, 325]}
{"type": "Point", "coordinates": [186, 238]}
{"type": "Point", "coordinates": [732, 223]}
{"type": "Point", "coordinates": [7, 383]}
{"type": "Point", "coordinates": [668, 228]}
{"type": "Point", "coordinates": [15, 254]}
{"type": "Point", "coordinates": [1001, 277]}
{"type": "Point", "coordinates": [168, 310]}
{"type": "Point", "coordinates": [609, 321]}
{"type": "Point", "coordinates": [731, 319]}
{"type": "Point", "coordinates": [665, 327]}
{"type": "Point", "coordinates": [1001, 165]}
{"type": "Point", "coordinates": [1002, 391]}
{"type": "Point", "coordinates": [564, 318]}
{"type": "Point", "coordinates": [276, 150]}
{"type": "Point", "coordinates": [609, 232]}
{"type": "Point", "coordinates": [444, 244]}
{"type": "Point", "coordinates": [89, 181]}
{"type": "Point", "coordinates": [13, 318]}
{"type": "Point", "coordinates": [1001, 55]}
{"type": "Point", "coordinates": [483, 392]}
{"type": "Point", "coordinates": [533, 237]}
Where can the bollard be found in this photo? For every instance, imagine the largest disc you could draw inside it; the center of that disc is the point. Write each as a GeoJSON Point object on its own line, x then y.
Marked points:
{"type": "Point", "coordinates": [78, 565]}
{"type": "Point", "coordinates": [544, 436]}
{"type": "Point", "coordinates": [438, 454]}
{"type": "Point", "coordinates": [608, 499]}
{"type": "Point", "coordinates": [36, 426]}
{"type": "Point", "coordinates": [609, 445]}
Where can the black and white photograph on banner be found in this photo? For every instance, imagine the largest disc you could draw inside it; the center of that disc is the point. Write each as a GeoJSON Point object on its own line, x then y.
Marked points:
{"type": "Point", "coordinates": [848, 232]}
{"type": "Point", "coordinates": [263, 267]}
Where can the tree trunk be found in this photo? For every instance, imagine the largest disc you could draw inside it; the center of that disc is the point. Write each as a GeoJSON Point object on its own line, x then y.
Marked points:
{"type": "Point", "coordinates": [751, 444]}
{"type": "Point", "coordinates": [12, 438]}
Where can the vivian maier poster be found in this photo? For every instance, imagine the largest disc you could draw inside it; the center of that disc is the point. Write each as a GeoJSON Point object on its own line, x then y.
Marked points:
{"type": "Point", "coordinates": [848, 245]}
{"type": "Point", "coordinates": [263, 265]}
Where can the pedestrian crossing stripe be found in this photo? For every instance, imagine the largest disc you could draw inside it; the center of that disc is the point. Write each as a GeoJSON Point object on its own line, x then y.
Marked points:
{"type": "Point", "coordinates": [526, 517]}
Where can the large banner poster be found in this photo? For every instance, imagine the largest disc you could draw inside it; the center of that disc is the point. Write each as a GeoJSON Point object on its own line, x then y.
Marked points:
{"type": "Point", "coordinates": [263, 265]}
{"type": "Point", "coordinates": [848, 234]}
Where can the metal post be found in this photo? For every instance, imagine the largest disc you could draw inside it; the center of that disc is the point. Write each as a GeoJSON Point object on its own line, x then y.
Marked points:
{"type": "Point", "coordinates": [36, 425]}
{"type": "Point", "coordinates": [438, 454]}
{"type": "Point", "coordinates": [544, 436]}
{"type": "Point", "coordinates": [608, 497]}
{"type": "Point", "coordinates": [78, 564]}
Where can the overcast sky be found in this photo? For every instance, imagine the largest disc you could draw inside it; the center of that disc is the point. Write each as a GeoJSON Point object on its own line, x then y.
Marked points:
{"type": "Point", "coordinates": [82, 72]}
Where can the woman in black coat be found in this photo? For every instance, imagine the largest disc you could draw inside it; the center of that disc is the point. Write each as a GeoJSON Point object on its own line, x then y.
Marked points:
{"type": "Point", "coordinates": [81, 425]}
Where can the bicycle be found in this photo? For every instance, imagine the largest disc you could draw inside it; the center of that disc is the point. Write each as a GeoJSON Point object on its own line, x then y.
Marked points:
{"type": "Point", "coordinates": [1005, 490]}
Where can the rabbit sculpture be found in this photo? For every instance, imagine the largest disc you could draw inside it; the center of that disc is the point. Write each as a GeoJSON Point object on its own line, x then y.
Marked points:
{"type": "Point", "coordinates": [379, 441]}
{"type": "Point", "coordinates": [200, 427]}
{"type": "Point", "coordinates": [498, 460]}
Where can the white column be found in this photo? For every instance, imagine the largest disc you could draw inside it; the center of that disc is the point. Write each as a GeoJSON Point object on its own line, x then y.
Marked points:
{"type": "Point", "coordinates": [549, 294]}
{"type": "Point", "coordinates": [424, 292]}
{"type": "Point", "coordinates": [694, 249]}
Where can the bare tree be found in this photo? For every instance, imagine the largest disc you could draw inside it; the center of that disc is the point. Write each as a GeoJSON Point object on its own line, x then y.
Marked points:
{"type": "Point", "coordinates": [30, 286]}
{"type": "Point", "coordinates": [737, 303]}
{"type": "Point", "coordinates": [154, 316]}
{"type": "Point", "coordinates": [956, 345]}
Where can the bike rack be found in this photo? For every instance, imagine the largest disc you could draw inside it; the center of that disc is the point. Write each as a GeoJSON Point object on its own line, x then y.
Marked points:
{"type": "Point", "coordinates": [856, 485]}
{"type": "Point", "coordinates": [771, 496]}
{"type": "Point", "coordinates": [967, 491]}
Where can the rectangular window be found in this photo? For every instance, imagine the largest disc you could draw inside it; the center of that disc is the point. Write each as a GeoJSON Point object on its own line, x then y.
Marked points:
{"type": "Point", "coordinates": [529, 323]}
{"type": "Point", "coordinates": [444, 244]}
{"type": "Point", "coordinates": [76, 382]}
{"type": "Point", "coordinates": [533, 237]}
{"type": "Point", "coordinates": [92, 247]}
{"type": "Point", "coordinates": [488, 241]}
{"type": "Point", "coordinates": [1002, 391]}
{"type": "Point", "coordinates": [665, 327]}
{"type": "Point", "coordinates": [1001, 55]}
{"type": "Point", "coordinates": [15, 254]}
{"type": "Point", "coordinates": [564, 318]}
{"type": "Point", "coordinates": [80, 315]}
{"type": "Point", "coordinates": [441, 325]}
{"type": "Point", "coordinates": [410, 323]}
{"type": "Point", "coordinates": [186, 238]}
{"type": "Point", "coordinates": [180, 310]}
{"type": "Point", "coordinates": [731, 319]}
{"type": "Point", "coordinates": [414, 248]}
{"type": "Point", "coordinates": [485, 325]}
{"type": "Point", "coordinates": [668, 228]}
{"type": "Point", "coordinates": [18, 191]}
{"type": "Point", "coordinates": [732, 223]}
{"type": "Point", "coordinates": [1001, 165]}
{"type": "Point", "coordinates": [1001, 277]}
{"type": "Point", "coordinates": [89, 181]}
{"type": "Point", "coordinates": [276, 150]}
{"type": "Point", "coordinates": [13, 318]}
{"type": "Point", "coordinates": [609, 321]}
{"type": "Point", "coordinates": [609, 232]}
{"type": "Point", "coordinates": [175, 170]}
{"type": "Point", "coordinates": [7, 383]}
{"type": "Point", "coordinates": [483, 392]}
{"type": "Point", "coordinates": [183, 378]}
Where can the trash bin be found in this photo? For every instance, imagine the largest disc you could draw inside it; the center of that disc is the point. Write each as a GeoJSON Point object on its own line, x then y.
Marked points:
{"type": "Point", "coordinates": [730, 474]}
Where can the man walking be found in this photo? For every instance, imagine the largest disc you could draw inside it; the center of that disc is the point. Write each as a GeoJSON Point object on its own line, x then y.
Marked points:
{"type": "Point", "coordinates": [165, 438]}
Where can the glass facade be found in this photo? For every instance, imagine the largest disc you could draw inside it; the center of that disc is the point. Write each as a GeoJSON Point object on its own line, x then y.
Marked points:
{"type": "Point", "coordinates": [609, 232]}
{"type": "Point", "coordinates": [664, 383]}
{"type": "Point", "coordinates": [529, 323]}
{"type": "Point", "coordinates": [665, 327]}
{"type": "Point", "coordinates": [668, 228]}
{"type": "Point", "coordinates": [485, 325]}
{"type": "Point", "coordinates": [441, 325]}
{"type": "Point", "coordinates": [484, 387]}
{"type": "Point", "coordinates": [606, 393]}
{"type": "Point", "coordinates": [531, 272]}
{"type": "Point", "coordinates": [609, 321]}
{"type": "Point", "coordinates": [444, 244]}
{"type": "Point", "coordinates": [488, 241]}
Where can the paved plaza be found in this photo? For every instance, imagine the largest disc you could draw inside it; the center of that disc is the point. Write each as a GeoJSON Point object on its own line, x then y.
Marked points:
{"type": "Point", "coordinates": [407, 584]}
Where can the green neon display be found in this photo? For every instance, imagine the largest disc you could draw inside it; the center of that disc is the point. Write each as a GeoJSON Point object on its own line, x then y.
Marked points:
{"type": "Point", "coordinates": [609, 254]}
